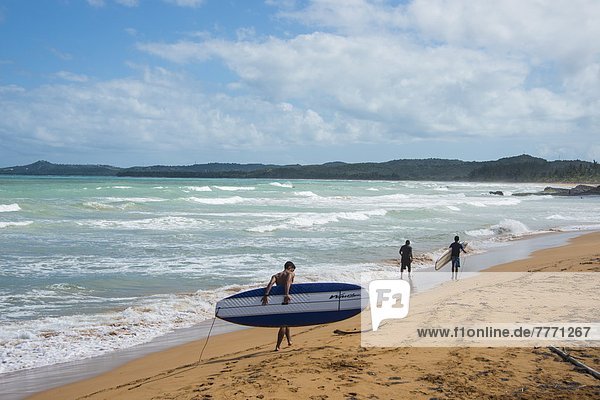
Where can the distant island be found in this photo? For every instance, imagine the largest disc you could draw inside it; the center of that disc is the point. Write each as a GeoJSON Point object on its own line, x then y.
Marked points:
{"type": "Point", "coordinates": [523, 168]}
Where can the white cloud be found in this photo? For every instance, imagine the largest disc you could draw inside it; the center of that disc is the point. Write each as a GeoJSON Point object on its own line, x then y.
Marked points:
{"type": "Point", "coordinates": [136, 3]}
{"type": "Point", "coordinates": [551, 30]}
{"type": "Point", "coordinates": [186, 3]}
{"type": "Point", "coordinates": [159, 111]}
{"type": "Point", "coordinates": [428, 68]}
{"type": "Point", "coordinates": [181, 52]}
{"type": "Point", "coordinates": [347, 16]}
{"type": "Point", "coordinates": [131, 31]}
{"type": "Point", "coordinates": [96, 3]}
{"type": "Point", "coordinates": [245, 33]}
{"type": "Point", "coordinates": [102, 3]}
{"type": "Point", "coordinates": [11, 89]}
{"type": "Point", "coordinates": [412, 90]}
{"type": "Point", "coordinates": [362, 72]}
{"type": "Point", "coordinates": [557, 28]}
{"type": "Point", "coordinates": [72, 77]}
{"type": "Point", "coordinates": [61, 54]}
{"type": "Point", "coordinates": [128, 3]}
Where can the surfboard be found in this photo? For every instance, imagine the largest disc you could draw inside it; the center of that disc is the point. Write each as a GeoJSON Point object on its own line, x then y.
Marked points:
{"type": "Point", "coordinates": [311, 304]}
{"type": "Point", "coordinates": [446, 257]}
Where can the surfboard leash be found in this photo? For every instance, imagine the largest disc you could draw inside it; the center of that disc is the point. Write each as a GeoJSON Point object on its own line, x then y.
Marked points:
{"type": "Point", "coordinates": [138, 383]}
{"type": "Point", "coordinates": [208, 336]}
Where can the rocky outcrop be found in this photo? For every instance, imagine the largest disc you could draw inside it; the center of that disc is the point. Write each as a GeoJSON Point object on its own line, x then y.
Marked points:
{"type": "Point", "coordinates": [579, 190]}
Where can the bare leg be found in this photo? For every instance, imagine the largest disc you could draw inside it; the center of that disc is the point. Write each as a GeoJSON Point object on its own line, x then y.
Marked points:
{"type": "Point", "coordinates": [280, 337]}
{"type": "Point", "coordinates": [454, 269]}
{"type": "Point", "coordinates": [288, 335]}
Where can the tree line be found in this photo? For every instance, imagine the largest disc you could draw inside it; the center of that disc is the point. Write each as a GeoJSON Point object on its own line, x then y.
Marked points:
{"type": "Point", "coordinates": [523, 168]}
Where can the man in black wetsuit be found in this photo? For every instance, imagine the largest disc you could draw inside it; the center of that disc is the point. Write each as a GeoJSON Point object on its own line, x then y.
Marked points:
{"type": "Point", "coordinates": [406, 258]}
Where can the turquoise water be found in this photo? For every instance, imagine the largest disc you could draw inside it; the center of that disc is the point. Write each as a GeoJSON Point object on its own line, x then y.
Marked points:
{"type": "Point", "coordinates": [91, 265]}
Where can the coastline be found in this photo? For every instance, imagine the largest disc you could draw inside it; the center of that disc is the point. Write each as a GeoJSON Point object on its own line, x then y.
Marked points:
{"type": "Point", "coordinates": [242, 364]}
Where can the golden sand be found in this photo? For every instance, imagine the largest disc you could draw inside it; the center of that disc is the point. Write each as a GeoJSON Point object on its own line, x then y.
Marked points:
{"type": "Point", "coordinates": [324, 365]}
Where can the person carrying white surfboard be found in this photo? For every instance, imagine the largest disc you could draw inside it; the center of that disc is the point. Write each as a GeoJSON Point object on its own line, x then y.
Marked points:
{"type": "Point", "coordinates": [456, 248]}
{"type": "Point", "coordinates": [284, 278]}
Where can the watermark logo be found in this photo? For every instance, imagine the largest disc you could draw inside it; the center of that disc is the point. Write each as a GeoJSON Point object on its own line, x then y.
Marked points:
{"type": "Point", "coordinates": [482, 310]}
{"type": "Point", "coordinates": [389, 299]}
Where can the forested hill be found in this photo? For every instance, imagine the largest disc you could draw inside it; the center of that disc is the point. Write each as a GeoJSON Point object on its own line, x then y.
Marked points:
{"type": "Point", "coordinates": [522, 168]}
{"type": "Point", "coordinates": [47, 168]}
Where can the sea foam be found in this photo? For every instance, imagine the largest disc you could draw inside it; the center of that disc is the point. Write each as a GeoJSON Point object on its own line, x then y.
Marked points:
{"type": "Point", "coordinates": [217, 201]}
{"type": "Point", "coordinates": [196, 189]}
{"type": "Point", "coordinates": [506, 227]}
{"type": "Point", "coordinates": [235, 188]}
{"type": "Point", "coordinates": [162, 223]}
{"type": "Point", "coordinates": [18, 223]}
{"type": "Point", "coordinates": [309, 220]}
{"type": "Point", "coordinates": [282, 185]}
{"type": "Point", "coordinates": [9, 207]}
{"type": "Point", "coordinates": [53, 340]}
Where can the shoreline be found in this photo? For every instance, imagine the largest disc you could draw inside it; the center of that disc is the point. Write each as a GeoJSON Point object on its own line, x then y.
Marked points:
{"type": "Point", "coordinates": [25, 382]}
{"type": "Point", "coordinates": [256, 342]}
{"type": "Point", "coordinates": [34, 380]}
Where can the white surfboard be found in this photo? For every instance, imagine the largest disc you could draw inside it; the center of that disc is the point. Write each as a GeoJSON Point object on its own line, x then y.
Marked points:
{"type": "Point", "coordinates": [446, 257]}
{"type": "Point", "coordinates": [311, 304]}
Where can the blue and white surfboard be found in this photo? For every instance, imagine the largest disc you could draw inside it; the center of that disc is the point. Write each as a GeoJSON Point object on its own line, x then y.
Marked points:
{"type": "Point", "coordinates": [311, 304]}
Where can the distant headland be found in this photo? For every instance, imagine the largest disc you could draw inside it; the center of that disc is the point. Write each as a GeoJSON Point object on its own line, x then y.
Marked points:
{"type": "Point", "coordinates": [523, 168]}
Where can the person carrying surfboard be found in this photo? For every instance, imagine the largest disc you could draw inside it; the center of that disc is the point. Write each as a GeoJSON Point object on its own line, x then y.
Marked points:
{"type": "Point", "coordinates": [284, 278]}
{"type": "Point", "coordinates": [456, 248]}
{"type": "Point", "coordinates": [406, 258]}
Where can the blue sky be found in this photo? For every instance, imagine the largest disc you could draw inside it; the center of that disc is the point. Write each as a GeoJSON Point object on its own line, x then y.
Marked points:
{"type": "Point", "coordinates": [140, 82]}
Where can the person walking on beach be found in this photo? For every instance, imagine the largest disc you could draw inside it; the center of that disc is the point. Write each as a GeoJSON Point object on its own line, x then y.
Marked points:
{"type": "Point", "coordinates": [406, 258]}
{"type": "Point", "coordinates": [284, 278]}
{"type": "Point", "coordinates": [455, 254]}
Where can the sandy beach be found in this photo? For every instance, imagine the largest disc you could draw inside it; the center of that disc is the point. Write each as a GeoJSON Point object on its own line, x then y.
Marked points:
{"type": "Point", "coordinates": [324, 365]}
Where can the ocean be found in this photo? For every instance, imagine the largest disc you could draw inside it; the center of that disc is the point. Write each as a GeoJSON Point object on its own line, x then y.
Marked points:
{"type": "Point", "coordinates": [93, 265]}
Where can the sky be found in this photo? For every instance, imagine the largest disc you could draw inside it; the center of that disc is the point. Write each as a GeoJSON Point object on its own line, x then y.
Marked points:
{"type": "Point", "coordinates": [178, 82]}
